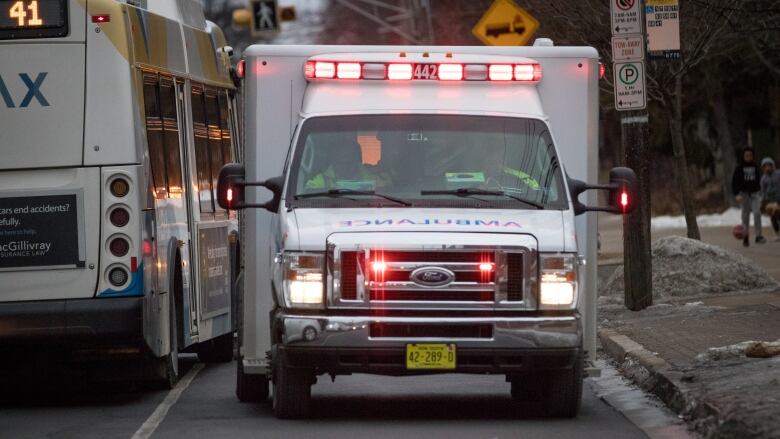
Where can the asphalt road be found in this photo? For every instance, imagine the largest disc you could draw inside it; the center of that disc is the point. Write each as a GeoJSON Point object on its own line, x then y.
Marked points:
{"type": "Point", "coordinates": [452, 406]}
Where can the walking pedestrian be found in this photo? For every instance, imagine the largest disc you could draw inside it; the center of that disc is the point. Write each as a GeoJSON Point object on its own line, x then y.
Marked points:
{"type": "Point", "coordinates": [746, 186]}
{"type": "Point", "coordinates": [770, 192]}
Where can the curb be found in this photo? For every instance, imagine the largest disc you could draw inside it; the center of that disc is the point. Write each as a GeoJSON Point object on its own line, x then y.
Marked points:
{"type": "Point", "coordinates": [650, 372]}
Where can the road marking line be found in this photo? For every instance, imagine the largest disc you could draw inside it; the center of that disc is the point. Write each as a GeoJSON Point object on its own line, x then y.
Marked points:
{"type": "Point", "coordinates": [158, 416]}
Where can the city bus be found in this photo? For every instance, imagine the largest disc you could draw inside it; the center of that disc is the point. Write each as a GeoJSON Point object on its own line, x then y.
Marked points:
{"type": "Point", "coordinates": [115, 118]}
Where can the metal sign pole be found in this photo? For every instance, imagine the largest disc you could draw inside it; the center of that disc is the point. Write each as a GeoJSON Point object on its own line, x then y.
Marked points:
{"type": "Point", "coordinates": [630, 99]}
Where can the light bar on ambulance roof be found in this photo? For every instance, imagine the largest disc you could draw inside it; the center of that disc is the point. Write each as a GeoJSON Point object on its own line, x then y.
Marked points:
{"type": "Point", "coordinates": [393, 71]}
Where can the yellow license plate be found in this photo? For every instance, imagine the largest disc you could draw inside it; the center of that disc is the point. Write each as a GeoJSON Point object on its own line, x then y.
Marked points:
{"type": "Point", "coordinates": [430, 356]}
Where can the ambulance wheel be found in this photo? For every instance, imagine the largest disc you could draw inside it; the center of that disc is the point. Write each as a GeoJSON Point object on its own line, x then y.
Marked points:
{"type": "Point", "coordinates": [564, 390]}
{"type": "Point", "coordinates": [527, 388]}
{"type": "Point", "coordinates": [250, 388]}
{"type": "Point", "coordinates": [217, 350]}
{"type": "Point", "coordinates": [292, 392]}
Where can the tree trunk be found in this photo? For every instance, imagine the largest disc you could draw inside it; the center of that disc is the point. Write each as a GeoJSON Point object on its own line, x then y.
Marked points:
{"type": "Point", "coordinates": [720, 119]}
{"type": "Point", "coordinates": [637, 261]}
{"type": "Point", "coordinates": [681, 161]}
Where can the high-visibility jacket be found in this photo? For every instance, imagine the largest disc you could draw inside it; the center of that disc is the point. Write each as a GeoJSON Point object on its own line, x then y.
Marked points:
{"type": "Point", "coordinates": [328, 179]}
{"type": "Point", "coordinates": [522, 176]}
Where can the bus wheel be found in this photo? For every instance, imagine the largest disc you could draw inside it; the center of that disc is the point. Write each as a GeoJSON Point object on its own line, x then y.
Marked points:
{"type": "Point", "coordinates": [171, 360]}
{"type": "Point", "coordinates": [250, 388]}
{"type": "Point", "coordinates": [292, 392]}
{"type": "Point", "coordinates": [218, 350]}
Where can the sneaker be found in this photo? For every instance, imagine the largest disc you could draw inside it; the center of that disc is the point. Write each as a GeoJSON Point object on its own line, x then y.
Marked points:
{"type": "Point", "coordinates": [760, 240]}
{"type": "Point", "coordinates": [746, 241]}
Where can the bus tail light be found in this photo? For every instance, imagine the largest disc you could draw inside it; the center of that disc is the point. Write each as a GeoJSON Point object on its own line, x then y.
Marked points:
{"type": "Point", "coordinates": [118, 276]}
{"type": "Point", "coordinates": [119, 247]}
{"type": "Point", "coordinates": [102, 18]}
{"type": "Point", "coordinates": [119, 187]}
{"type": "Point", "coordinates": [119, 217]}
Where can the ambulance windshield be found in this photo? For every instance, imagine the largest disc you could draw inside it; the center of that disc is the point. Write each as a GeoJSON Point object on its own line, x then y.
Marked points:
{"type": "Point", "coordinates": [426, 160]}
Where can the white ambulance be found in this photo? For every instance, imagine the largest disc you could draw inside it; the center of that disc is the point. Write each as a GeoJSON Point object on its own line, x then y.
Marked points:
{"type": "Point", "coordinates": [424, 216]}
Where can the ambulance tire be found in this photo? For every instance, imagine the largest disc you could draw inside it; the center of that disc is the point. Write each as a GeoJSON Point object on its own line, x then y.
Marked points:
{"type": "Point", "coordinates": [250, 388]}
{"type": "Point", "coordinates": [217, 350]}
{"type": "Point", "coordinates": [527, 388]}
{"type": "Point", "coordinates": [292, 392]}
{"type": "Point", "coordinates": [564, 390]}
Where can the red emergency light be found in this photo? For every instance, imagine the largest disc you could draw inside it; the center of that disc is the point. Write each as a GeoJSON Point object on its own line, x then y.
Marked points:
{"type": "Point", "coordinates": [241, 68]}
{"type": "Point", "coordinates": [526, 72]}
{"type": "Point", "coordinates": [624, 199]}
{"type": "Point", "coordinates": [103, 18]}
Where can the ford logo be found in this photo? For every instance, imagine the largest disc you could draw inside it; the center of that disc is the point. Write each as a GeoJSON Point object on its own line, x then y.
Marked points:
{"type": "Point", "coordinates": [432, 277]}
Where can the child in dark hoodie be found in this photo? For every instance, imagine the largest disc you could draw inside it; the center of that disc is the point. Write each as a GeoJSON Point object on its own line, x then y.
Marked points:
{"type": "Point", "coordinates": [746, 186]}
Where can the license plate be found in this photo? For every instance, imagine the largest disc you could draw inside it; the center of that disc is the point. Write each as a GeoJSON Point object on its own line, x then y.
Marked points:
{"type": "Point", "coordinates": [430, 356]}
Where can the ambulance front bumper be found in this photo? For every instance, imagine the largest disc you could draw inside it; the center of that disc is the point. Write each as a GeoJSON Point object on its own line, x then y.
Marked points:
{"type": "Point", "coordinates": [371, 344]}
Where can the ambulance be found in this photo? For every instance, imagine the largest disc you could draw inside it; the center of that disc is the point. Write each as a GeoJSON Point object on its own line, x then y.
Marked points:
{"type": "Point", "coordinates": [417, 210]}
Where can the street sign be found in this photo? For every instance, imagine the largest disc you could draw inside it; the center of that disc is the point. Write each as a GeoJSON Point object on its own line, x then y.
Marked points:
{"type": "Point", "coordinates": [505, 24]}
{"type": "Point", "coordinates": [625, 17]}
{"type": "Point", "coordinates": [265, 18]}
{"type": "Point", "coordinates": [630, 86]}
{"type": "Point", "coordinates": [663, 29]}
{"type": "Point", "coordinates": [628, 48]}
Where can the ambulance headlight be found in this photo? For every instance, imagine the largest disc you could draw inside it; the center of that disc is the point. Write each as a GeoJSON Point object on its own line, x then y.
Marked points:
{"type": "Point", "coordinates": [558, 286]}
{"type": "Point", "coordinates": [304, 280]}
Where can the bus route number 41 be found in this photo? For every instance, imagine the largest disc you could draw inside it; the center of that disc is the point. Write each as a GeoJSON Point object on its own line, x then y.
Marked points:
{"type": "Point", "coordinates": [19, 12]}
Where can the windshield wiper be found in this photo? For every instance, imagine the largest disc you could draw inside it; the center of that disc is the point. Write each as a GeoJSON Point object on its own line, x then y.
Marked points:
{"type": "Point", "coordinates": [468, 191]}
{"type": "Point", "coordinates": [342, 192]}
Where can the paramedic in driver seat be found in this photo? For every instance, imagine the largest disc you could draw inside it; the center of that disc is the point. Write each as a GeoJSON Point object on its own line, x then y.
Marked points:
{"type": "Point", "coordinates": [345, 171]}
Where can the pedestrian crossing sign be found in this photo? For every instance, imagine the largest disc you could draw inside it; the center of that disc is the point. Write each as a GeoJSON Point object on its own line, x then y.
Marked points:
{"type": "Point", "coordinates": [265, 18]}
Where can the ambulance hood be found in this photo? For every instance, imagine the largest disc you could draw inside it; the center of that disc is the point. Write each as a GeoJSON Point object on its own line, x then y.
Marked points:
{"type": "Point", "coordinates": [307, 229]}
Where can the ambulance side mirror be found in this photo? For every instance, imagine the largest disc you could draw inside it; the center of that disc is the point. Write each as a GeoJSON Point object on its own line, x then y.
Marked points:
{"type": "Point", "coordinates": [622, 192]}
{"type": "Point", "coordinates": [231, 187]}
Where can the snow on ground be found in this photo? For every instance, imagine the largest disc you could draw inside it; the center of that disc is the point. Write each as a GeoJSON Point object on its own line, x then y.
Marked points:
{"type": "Point", "coordinates": [729, 217]}
{"type": "Point", "coordinates": [684, 268]}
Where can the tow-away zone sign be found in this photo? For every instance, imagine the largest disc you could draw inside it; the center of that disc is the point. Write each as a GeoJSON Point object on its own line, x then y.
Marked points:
{"type": "Point", "coordinates": [630, 86]}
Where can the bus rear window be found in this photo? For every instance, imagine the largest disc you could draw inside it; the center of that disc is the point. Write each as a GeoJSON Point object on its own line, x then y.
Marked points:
{"type": "Point", "coordinates": [22, 19]}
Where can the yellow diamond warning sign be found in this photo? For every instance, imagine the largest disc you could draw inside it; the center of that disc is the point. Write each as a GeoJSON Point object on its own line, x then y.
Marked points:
{"type": "Point", "coordinates": [505, 24]}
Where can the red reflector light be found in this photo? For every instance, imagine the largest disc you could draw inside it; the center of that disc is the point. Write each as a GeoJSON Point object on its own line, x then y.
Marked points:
{"type": "Point", "coordinates": [348, 70]}
{"type": "Point", "coordinates": [104, 18]}
{"type": "Point", "coordinates": [500, 72]}
{"type": "Point", "coordinates": [133, 264]}
{"type": "Point", "coordinates": [624, 199]}
{"type": "Point", "coordinates": [399, 71]}
{"type": "Point", "coordinates": [602, 70]}
{"type": "Point", "coordinates": [486, 267]}
{"type": "Point", "coordinates": [528, 72]}
{"type": "Point", "coordinates": [450, 72]}
{"type": "Point", "coordinates": [148, 248]}
{"type": "Point", "coordinates": [241, 68]}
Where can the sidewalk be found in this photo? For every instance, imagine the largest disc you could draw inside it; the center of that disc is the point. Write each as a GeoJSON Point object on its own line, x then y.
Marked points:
{"type": "Point", "coordinates": [667, 349]}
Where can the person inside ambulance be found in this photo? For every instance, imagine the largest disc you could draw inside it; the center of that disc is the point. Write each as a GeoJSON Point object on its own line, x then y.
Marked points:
{"type": "Point", "coordinates": [395, 170]}
{"type": "Point", "coordinates": [344, 169]}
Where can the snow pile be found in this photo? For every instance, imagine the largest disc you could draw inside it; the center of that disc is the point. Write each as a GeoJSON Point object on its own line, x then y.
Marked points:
{"type": "Point", "coordinates": [685, 267]}
{"type": "Point", "coordinates": [729, 217]}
